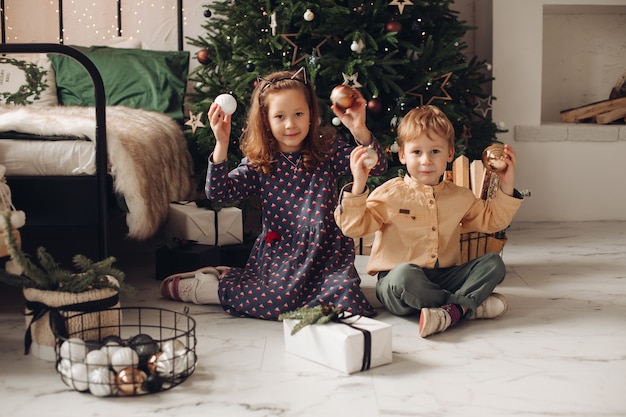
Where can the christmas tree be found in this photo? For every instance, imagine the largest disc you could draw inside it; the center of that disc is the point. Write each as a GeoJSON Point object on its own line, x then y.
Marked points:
{"type": "Point", "coordinates": [400, 54]}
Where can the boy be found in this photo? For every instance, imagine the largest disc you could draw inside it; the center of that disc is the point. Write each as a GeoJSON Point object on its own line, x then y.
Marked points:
{"type": "Point", "coordinates": [417, 221]}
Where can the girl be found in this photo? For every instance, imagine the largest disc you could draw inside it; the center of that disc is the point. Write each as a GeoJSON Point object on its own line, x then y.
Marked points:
{"type": "Point", "coordinates": [301, 258]}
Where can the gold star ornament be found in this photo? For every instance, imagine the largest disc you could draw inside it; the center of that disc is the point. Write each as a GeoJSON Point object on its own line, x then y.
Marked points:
{"type": "Point", "coordinates": [194, 121]}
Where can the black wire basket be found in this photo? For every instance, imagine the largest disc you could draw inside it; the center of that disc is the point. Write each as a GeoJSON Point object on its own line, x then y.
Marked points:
{"type": "Point", "coordinates": [126, 351]}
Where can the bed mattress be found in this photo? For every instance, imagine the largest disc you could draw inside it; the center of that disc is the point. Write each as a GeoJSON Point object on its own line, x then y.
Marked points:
{"type": "Point", "coordinates": [48, 157]}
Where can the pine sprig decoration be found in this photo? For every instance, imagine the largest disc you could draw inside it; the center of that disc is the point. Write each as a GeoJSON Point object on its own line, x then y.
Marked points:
{"type": "Point", "coordinates": [49, 276]}
{"type": "Point", "coordinates": [320, 314]}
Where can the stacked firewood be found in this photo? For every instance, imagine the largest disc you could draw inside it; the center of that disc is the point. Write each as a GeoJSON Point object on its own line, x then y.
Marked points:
{"type": "Point", "coordinates": [601, 112]}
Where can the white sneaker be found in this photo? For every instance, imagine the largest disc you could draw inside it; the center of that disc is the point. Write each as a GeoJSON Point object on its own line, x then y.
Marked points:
{"type": "Point", "coordinates": [433, 320]}
{"type": "Point", "coordinates": [493, 307]}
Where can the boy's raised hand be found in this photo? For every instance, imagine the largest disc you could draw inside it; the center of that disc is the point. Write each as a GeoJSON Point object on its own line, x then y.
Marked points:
{"type": "Point", "coordinates": [360, 172]}
{"type": "Point", "coordinates": [507, 176]}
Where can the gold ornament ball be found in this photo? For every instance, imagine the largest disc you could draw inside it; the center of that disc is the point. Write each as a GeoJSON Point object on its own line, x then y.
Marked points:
{"type": "Point", "coordinates": [130, 380]}
{"type": "Point", "coordinates": [152, 363]}
{"type": "Point", "coordinates": [493, 157]}
{"type": "Point", "coordinates": [343, 96]}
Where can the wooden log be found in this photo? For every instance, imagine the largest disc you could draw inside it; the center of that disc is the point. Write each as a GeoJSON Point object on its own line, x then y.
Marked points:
{"type": "Point", "coordinates": [460, 170]}
{"type": "Point", "coordinates": [610, 116]}
{"type": "Point", "coordinates": [590, 110]}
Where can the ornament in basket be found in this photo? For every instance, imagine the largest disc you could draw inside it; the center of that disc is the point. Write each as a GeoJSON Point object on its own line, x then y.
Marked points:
{"type": "Point", "coordinates": [149, 350]}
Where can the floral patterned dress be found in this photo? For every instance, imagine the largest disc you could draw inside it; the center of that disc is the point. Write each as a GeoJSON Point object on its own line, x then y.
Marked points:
{"type": "Point", "coordinates": [301, 258]}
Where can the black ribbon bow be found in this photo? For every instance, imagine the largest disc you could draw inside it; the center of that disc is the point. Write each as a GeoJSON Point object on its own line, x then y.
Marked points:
{"type": "Point", "coordinates": [57, 321]}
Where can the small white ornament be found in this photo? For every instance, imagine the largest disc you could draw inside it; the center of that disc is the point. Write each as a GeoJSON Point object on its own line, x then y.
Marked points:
{"type": "Point", "coordinates": [171, 346]}
{"type": "Point", "coordinates": [79, 379]}
{"type": "Point", "coordinates": [123, 358]}
{"type": "Point", "coordinates": [394, 147]}
{"type": "Point", "coordinates": [227, 103]}
{"type": "Point", "coordinates": [184, 362]}
{"type": "Point", "coordinates": [357, 46]}
{"type": "Point", "coordinates": [336, 121]}
{"type": "Point", "coordinates": [372, 158]}
{"type": "Point", "coordinates": [101, 382]}
{"type": "Point", "coordinates": [110, 348]}
{"type": "Point", "coordinates": [501, 125]}
{"type": "Point", "coordinates": [97, 359]}
{"type": "Point", "coordinates": [308, 15]}
{"type": "Point", "coordinates": [73, 349]}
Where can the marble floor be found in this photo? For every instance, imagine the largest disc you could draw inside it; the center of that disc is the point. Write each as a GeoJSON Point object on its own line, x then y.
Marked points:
{"type": "Point", "coordinates": [559, 351]}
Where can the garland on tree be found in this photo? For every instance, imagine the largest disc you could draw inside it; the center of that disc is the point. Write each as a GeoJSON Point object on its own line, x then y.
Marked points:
{"type": "Point", "coordinates": [399, 54]}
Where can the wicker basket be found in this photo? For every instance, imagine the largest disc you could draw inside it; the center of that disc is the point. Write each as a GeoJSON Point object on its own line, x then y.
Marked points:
{"type": "Point", "coordinates": [153, 350]}
{"type": "Point", "coordinates": [46, 307]}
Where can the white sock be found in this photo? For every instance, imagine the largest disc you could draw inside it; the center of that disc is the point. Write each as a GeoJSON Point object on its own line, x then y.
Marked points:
{"type": "Point", "coordinates": [206, 291]}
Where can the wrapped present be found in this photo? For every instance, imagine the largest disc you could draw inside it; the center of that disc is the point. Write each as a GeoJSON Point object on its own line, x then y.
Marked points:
{"type": "Point", "coordinates": [349, 345]}
{"type": "Point", "coordinates": [184, 256]}
{"type": "Point", "coordinates": [187, 221]}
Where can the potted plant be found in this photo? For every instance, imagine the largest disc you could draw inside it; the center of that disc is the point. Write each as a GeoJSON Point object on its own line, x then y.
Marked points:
{"type": "Point", "coordinates": [53, 294]}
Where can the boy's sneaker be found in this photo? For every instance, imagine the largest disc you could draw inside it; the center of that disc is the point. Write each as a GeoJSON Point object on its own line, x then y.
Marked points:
{"type": "Point", "coordinates": [493, 307]}
{"type": "Point", "coordinates": [434, 320]}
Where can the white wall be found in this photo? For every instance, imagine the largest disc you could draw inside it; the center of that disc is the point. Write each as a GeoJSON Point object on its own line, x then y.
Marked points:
{"type": "Point", "coordinates": [573, 172]}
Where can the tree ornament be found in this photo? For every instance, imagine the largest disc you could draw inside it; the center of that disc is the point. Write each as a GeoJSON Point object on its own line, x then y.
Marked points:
{"type": "Point", "coordinates": [352, 80]}
{"type": "Point", "coordinates": [250, 66]}
{"type": "Point", "coordinates": [336, 121]}
{"type": "Point", "coordinates": [207, 13]}
{"type": "Point", "coordinates": [375, 105]}
{"type": "Point", "coordinates": [194, 121]}
{"type": "Point", "coordinates": [227, 103]}
{"type": "Point", "coordinates": [401, 4]}
{"type": "Point", "coordinates": [483, 105]}
{"type": "Point", "coordinates": [357, 46]}
{"type": "Point", "coordinates": [393, 26]}
{"type": "Point", "coordinates": [145, 346]}
{"type": "Point", "coordinates": [124, 357]}
{"type": "Point", "coordinates": [73, 349]}
{"type": "Point", "coordinates": [343, 96]}
{"type": "Point", "coordinates": [494, 157]}
{"type": "Point", "coordinates": [203, 56]}
{"type": "Point", "coordinates": [394, 147]}
{"type": "Point", "coordinates": [308, 15]}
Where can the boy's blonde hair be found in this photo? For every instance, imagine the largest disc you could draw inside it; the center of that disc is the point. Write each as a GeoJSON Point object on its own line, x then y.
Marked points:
{"type": "Point", "coordinates": [426, 119]}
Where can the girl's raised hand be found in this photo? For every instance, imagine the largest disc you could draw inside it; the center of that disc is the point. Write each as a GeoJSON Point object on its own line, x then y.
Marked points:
{"type": "Point", "coordinates": [220, 123]}
{"type": "Point", "coordinates": [221, 126]}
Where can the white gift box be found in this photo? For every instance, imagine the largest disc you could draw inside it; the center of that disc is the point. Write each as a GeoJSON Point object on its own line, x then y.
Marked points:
{"type": "Point", "coordinates": [207, 227]}
{"type": "Point", "coordinates": [342, 346]}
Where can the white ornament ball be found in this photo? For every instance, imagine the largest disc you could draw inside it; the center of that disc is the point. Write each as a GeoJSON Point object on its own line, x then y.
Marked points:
{"type": "Point", "coordinates": [165, 364]}
{"type": "Point", "coordinates": [73, 349]}
{"type": "Point", "coordinates": [171, 346]}
{"type": "Point", "coordinates": [357, 46]}
{"type": "Point", "coordinates": [394, 147]}
{"type": "Point", "coordinates": [101, 382]}
{"type": "Point", "coordinates": [97, 359]}
{"type": "Point", "coordinates": [227, 103]}
{"type": "Point", "coordinates": [123, 358]}
{"type": "Point", "coordinates": [372, 158]}
{"type": "Point", "coordinates": [110, 348]}
{"type": "Point", "coordinates": [336, 121]}
{"type": "Point", "coordinates": [79, 379]}
{"type": "Point", "coordinates": [64, 366]}
{"type": "Point", "coordinates": [308, 15]}
{"type": "Point", "coordinates": [184, 362]}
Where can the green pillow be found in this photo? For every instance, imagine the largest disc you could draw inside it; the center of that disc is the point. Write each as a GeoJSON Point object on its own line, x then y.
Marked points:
{"type": "Point", "coordinates": [137, 78]}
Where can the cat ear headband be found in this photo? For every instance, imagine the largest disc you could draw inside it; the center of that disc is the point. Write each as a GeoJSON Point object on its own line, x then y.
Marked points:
{"type": "Point", "coordinates": [299, 75]}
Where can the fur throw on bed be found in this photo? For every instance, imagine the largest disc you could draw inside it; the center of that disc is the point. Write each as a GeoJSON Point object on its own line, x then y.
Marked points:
{"type": "Point", "coordinates": [147, 151]}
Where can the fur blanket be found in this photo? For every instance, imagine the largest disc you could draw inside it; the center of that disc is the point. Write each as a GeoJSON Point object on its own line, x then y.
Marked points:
{"type": "Point", "coordinates": [147, 151]}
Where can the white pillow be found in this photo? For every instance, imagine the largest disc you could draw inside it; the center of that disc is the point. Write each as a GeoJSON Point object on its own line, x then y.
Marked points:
{"type": "Point", "coordinates": [27, 79]}
{"type": "Point", "coordinates": [126, 43]}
